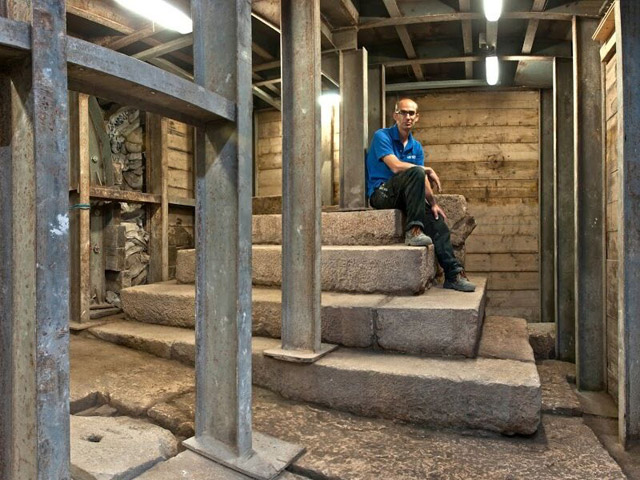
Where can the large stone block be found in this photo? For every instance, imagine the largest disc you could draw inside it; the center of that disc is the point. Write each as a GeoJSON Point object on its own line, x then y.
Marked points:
{"type": "Point", "coordinates": [489, 394]}
{"type": "Point", "coordinates": [505, 338]}
{"type": "Point", "coordinates": [439, 322]}
{"type": "Point", "coordinates": [117, 447]}
{"type": "Point", "coordinates": [360, 227]}
{"type": "Point", "coordinates": [388, 269]}
{"type": "Point", "coordinates": [167, 303]}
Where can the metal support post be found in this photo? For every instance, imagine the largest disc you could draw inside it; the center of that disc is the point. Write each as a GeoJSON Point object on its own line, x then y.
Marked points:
{"type": "Point", "coordinates": [564, 204]}
{"type": "Point", "coordinates": [301, 183]}
{"type": "Point", "coordinates": [547, 209]}
{"type": "Point", "coordinates": [222, 62]}
{"type": "Point", "coordinates": [353, 127]}
{"type": "Point", "coordinates": [376, 90]}
{"type": "Point", "coordinates": [628, 57]}
{"type": "Point", "coordinates": [34, 252]}
{"type": "Point", "coordinates": [589, 208]}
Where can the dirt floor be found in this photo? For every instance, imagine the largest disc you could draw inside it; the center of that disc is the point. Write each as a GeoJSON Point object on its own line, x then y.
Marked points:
{"type": "Point", "coordinates": [343, 446]}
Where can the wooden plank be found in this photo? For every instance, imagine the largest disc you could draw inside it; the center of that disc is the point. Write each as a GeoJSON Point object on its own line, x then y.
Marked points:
{"type": "Point", "coordinates": [107, 193]}
{"type": "Point", "coordinates": [474, 100]}
{"type": "Point", "coordinates": [493, 153]}
{"type": "Point", "coordinates": [179, 160]}
{"type": "Point", "coordinates": [608, 49]}
{"type": "Point", "coordinates": [181, 201]}
{"type": "Point", "coordinates": [270, 161]}
{"type": "Point", "coordinates": [157, 181]}
{"type": "Point", "coordinates": [126, 40]}
{"type": "Point", "coordinates": [183, 143]}
{"type": "Point", "coordinates": [164, 48]}
{"type": "Point", "coordinates": [513, 280]}
{"type": "Point", "coordinates": [510, 298]}
{"type": "Point", "coordinates": [180, 179]}
{"type": "Point", "coordinates": [84, 227]}
{"type": "Point", "coordinates": [470, 135]}
{"type": "Point", "coordinates": [180, 196]}
{"type": "Point", "coordinates": [502, 262]}
{"type": "Point", "coordinates": [464, 117]}
{"type": "Point", "coordinates": [607, 26]}
{"type": "Point", "coordinates": [490, 170]}
{"type": "Point", "coordinates": [502, 243]}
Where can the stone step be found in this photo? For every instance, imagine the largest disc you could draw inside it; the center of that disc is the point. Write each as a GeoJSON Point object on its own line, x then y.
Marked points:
{"type": "Point", "coordinates": [363, 227]}
{"type": "Point", "coordinates": [438, 322]}
{"type": "Point", "coordinates": [387, 269]}
{"type": "Point", "coordinates": [500, 393]}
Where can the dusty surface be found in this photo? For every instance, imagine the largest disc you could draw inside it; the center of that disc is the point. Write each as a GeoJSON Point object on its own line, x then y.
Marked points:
{"type": "Point", "coordinates": [344, 446]}
{"type": "Point", "coordinates": [505, 337]}
{"type": "Point", "coordinates": [558, 395]}
{"type": "Point", "coordinates": [117, 447]}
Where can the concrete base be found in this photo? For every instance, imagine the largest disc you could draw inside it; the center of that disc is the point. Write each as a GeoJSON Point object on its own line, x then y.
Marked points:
{"type": "Point", "coordinates": [268, 459]}
{"type": "Point", "coordinates": [388, 269]}
{"type": "Point", "coordinates": [300, 356]}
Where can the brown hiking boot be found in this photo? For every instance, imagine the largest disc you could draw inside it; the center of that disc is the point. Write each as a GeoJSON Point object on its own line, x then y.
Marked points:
{"type": "Point", "coordinates": [415, 237]}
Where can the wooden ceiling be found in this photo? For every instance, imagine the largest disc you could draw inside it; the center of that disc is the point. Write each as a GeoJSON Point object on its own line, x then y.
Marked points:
{"type": "Point", "coordinates": [418, 41]}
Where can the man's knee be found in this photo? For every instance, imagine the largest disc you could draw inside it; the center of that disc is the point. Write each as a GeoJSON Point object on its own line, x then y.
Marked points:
{"type": "Point", "coordinates": [414, 174]}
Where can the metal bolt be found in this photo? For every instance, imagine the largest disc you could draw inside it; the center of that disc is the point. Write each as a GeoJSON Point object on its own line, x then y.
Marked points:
{"type": "Point", "coordinates": [94, 158]}
{"type": "Point", "coordinates": [96, 248]}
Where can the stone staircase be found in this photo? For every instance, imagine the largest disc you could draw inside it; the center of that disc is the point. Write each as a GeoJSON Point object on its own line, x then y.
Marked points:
{"type": "Point", "coordinates": [409, 350]}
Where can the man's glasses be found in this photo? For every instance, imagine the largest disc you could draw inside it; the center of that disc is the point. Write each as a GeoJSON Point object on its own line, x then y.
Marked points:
{"type": "Point", "coordinates": [407, 113]}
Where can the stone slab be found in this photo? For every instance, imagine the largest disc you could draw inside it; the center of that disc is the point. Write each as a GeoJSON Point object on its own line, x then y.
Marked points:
{"type": "Point", "coordinates": [106, 373]}
{"type": "Point", "coordinates": [438, 322]}
{"type": "Point", "coordinates": [170, 342]}
{"type": "Point", "coordinates": [347, 319]}
{"type": "Point", "coordinates": [266, 205]}
{"type": "Point", "coordinates": [496, 395]}
{"type": "Point", "coordinates": [117, 447]}
{"type": "Point", "coordinates": [506, 338]}
{"type": "Point", "coordinates": [387, 269]}
{"type": "Point", "coordinates": [191, 466]}
{"type": "Point", "coordinates": [364, 227]}
{"type": "Point", "coordinates": [165, 303]}
{"type": "Point", "coordinates": [542, 337]}
{"type": "Point", "coordinates": [558, 395]}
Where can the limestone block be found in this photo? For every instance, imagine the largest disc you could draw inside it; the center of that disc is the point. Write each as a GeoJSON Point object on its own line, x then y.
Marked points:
{"type": "Point", "coordinates": [267, 205]}
{"type": "Point", "coordinates": [104, 448]}
{"type": "Point", "coordinates": [482, 393]}
{"type": "Point", "coordinates": [507, 338]}
{"type": "Point", "coordinates": [167, 303]}
{"type": "Point", "coordinates": [439, 322]}
{"type": "Point", "coordinates": [542, 337]}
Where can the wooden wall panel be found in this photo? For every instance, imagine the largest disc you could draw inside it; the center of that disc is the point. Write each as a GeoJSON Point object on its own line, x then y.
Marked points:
{"type": "Point", "coordinates": [612, 181]}
{"type": "Point", "coordinates": [180, 153]}
{"type": "Point", "coordinates": [485, 146]}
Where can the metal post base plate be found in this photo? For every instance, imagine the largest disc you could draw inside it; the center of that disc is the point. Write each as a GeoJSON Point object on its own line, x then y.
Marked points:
{"type": "Point", "coordinates": [269, 457]}
{"type": "Point", "coordinates": [300, 356]}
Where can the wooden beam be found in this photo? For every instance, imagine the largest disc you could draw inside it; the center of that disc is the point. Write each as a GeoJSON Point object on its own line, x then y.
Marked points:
{"type": "Point", "coordinates": [460, 16]}
{"type": "Point", "coordinates": [126, 40]}
{"type": "Point", "coordinates": [472, 58]}
{"type": "Point", "coordinates": [105, 14]}
{"type": "Point", "coordinates": [607, 26]}
{"type": "Point", "coordinates": [109, 193]}
{"type": "Point", "coordinates": [608, 49]}
{"type": "Point", "coordinates": [171, 67]}
{"type": "Point", "coordinates": [261, 52]}
{"type": "Point", "coordinates": [340, 12]}
{"type": "Point", "coordinates": [467, 37]}
{"type": "Point", "coordinates": [157, 179]}
{"type": "Point", "coordinates": [84, 230]}
{"type": "Point", "coordinates": [164, 48]}
{"type": "Point", "coordinates": [405, 38]}
{"type": "Point", "coordinates": [262, 95]}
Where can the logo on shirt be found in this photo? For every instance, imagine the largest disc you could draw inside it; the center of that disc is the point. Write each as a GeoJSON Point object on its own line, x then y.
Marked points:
{"type": "Point", "coordinates": [411, 157]}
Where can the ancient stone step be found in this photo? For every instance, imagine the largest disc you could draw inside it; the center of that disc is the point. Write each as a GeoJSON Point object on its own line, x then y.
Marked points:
{"type": "Point", "coordinates": [482, 393]}
{"type": "Point", "coordinates": [438, 322]}
{"type": "Point", "coordinates": [498, 394]}
{"type": "Point", "coordinates": [387, 269]}
{"type": "Point", "coordinates": [363, 227]}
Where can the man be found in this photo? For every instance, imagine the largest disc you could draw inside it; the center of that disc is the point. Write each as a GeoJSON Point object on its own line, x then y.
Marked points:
{"type": "Point", "coordinates": [397, 178]}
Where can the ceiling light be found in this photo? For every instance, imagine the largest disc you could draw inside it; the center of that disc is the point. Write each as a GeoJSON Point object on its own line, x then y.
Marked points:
{"type": "Point", "coordinates": [493, 70]}
{"type": "Point", "coordinates": [160, 12]}
{"type": "Point", "coordinates": [329, 100]}
{"type": "Point", "coordinates": [492, 9]}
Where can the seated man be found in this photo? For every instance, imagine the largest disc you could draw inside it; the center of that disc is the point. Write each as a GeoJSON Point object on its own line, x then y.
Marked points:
{"type": "Point", "coordinates": [397, 178]}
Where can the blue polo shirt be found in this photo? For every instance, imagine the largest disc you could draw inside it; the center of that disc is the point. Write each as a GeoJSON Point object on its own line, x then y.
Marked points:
{"type": "Point", "coordinates": [386, 141]}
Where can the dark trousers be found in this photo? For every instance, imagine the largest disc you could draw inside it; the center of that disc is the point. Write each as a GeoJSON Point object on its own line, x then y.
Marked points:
{"type": "Point", "coordinates": [406, 191]}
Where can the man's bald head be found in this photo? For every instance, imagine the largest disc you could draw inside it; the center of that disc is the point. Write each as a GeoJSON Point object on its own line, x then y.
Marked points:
{"type": "Point", "coordinates": [405, 115]}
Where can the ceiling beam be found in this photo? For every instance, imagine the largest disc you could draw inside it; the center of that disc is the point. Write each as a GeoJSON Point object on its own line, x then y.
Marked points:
{"type": "Point", "coordinates": [530, 35]}
{"type": "Point", "coordinates": [340, 13]}
{"type": "Point", "coordinates": [378, 22]}
{"type": "Point", "coordinates": [165, 48]}
{"type": "Point", "coordinates": [467, 37]}
{"type": "Point", "coordinates": [126, 40]}
{"type": "Point", "coordinates": [472, 58]}
{"type": "Point", "coordinates": [262, 95]}
{"type": "Point", "coordinates": [403, 33]}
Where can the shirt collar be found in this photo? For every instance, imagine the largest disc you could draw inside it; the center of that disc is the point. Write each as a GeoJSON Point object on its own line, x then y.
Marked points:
{"type": "Point", "coordinates": [395, 134]}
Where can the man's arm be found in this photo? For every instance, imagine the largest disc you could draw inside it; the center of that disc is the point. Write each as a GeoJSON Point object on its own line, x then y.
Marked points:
{"type": "Point", "coordinates": [396, 166]}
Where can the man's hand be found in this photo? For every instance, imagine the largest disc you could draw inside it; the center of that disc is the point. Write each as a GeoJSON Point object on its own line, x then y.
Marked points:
{"type": "Point", "coordinates": [431, 174]}
{"type": "Point", "coordinates": [437, 211]}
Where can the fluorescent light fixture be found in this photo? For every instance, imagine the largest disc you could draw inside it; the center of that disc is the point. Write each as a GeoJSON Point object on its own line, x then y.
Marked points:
{"type": "Point", "coordinates": [160, 12]}
{"type": "Point", "coordinates": [493, 70]}
{"type": "Point", "coordinates": [329, 100]}
{"type": "Point", "coordinates": [492, 9]}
